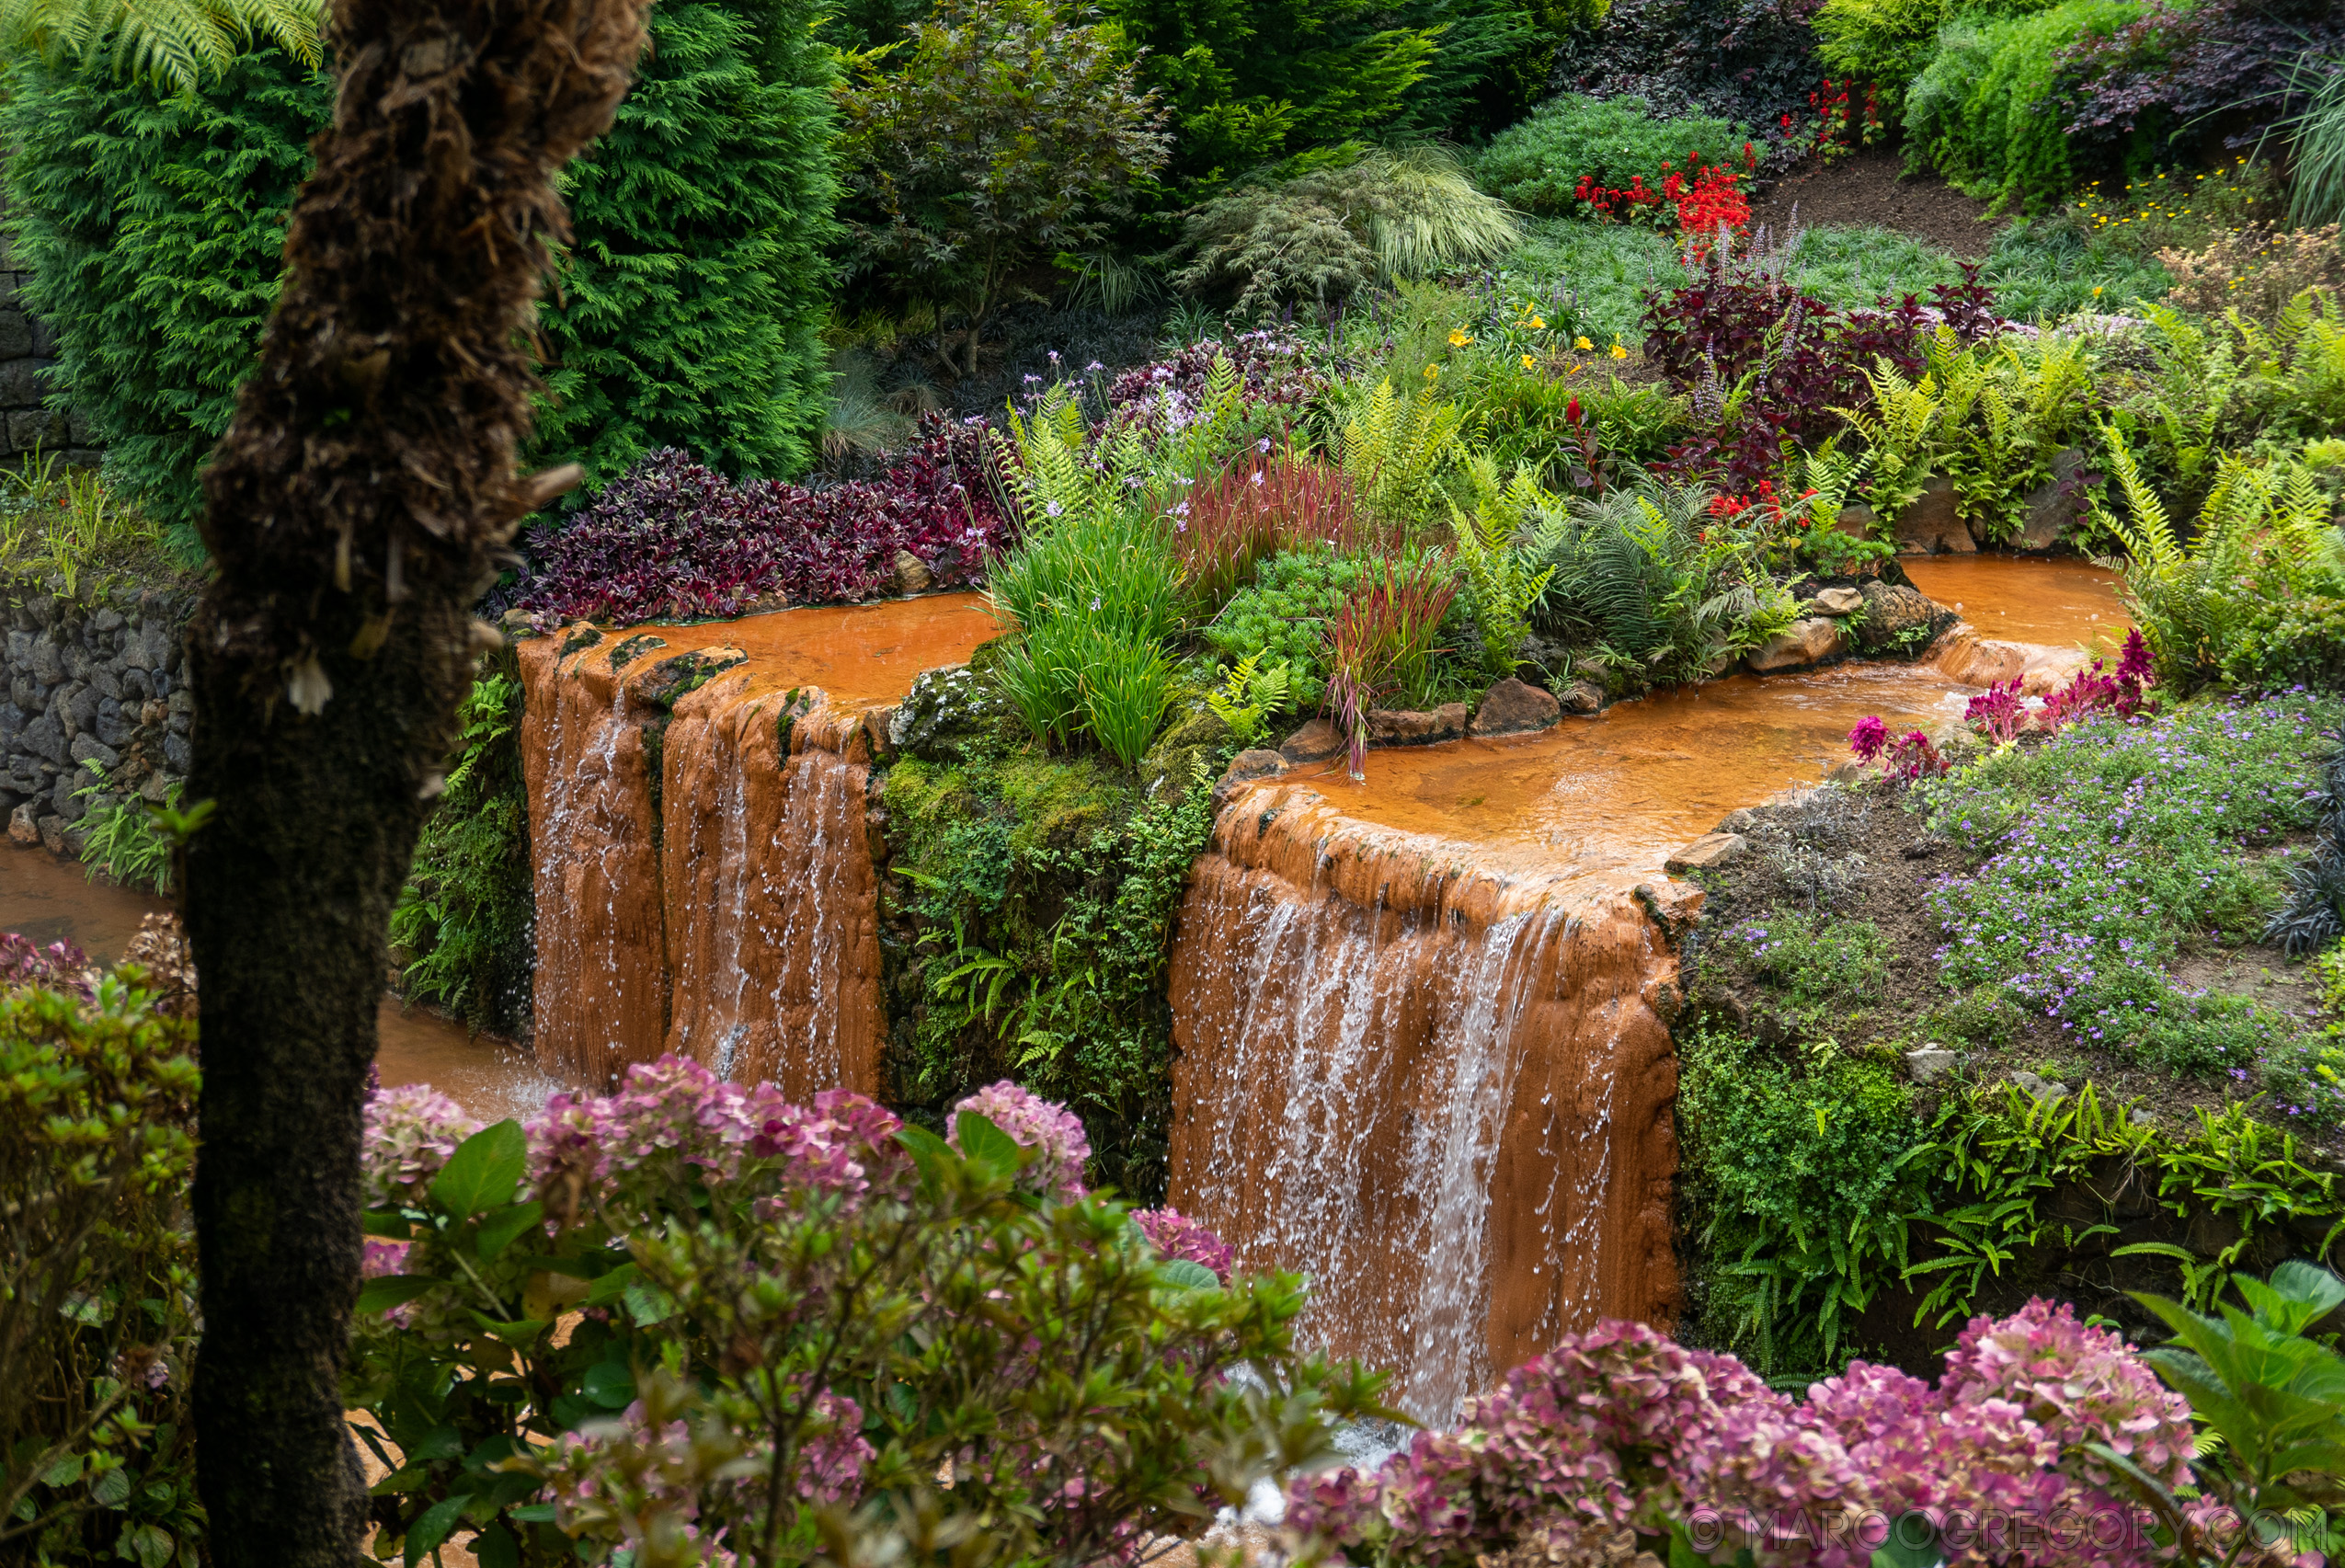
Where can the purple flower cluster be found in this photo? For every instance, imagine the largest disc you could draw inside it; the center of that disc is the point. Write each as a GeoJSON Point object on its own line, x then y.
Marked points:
{"type": "Point", "coordinates": [1178, 1237]}
{"type": "Point", "coordinates": [1033, 1122]}
{"type": "Point", "coordinates": [1622, 1429]}
{"type": "Point", "coordinates": [1270, 362]}
{"type": "Point", "coordinates": [60, 966]}
{"type": "Point", "coordinates": [670, 538]}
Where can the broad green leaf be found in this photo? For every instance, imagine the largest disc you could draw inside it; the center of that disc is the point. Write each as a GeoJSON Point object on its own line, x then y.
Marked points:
{"type": "Point", "coordinates": [521, 1333]}
{"type": "Point", "coordinates": [386, 1223]}
{"type": "Point", "coordinates": [381, 1294]}
{"type": "Point", "coordinates": [495, 1547]}
{"type": "Point", "coordinates": [501, 1228]}
{"type": "Point", "coordinates": [988, 1144]}
{"type": "Point", "coordinates": [1911, 1543]}
{"type": "Point", "coordinates": [532, 1514]}
{"type": "Point", "coordinates": [1185, 1275]}
{"type": "Point", "coordinates": [151, 1544]}
{"type": "Point", "coordinates": [610, 1384]}
{"type": "Point", "coordinates": [432, 1527]}
{"type": "Point", "coordinates": [111, 1489]}
{"type": "Point", "coordinates": [484, 1172]}
{"type": "Point", "coordinates": [439, 1443]}
{"type": "Point", "coordinates": [647, 1304]}
{"type": "Point", "coordinates": [610, 1286]}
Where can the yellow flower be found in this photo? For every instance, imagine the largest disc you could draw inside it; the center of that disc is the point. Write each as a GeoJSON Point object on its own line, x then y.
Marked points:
{"type": "Point", "coordinates": [1460, 337]}
{"type": "Point", "coordinates": [1431, 371]}
{"type": "Point", "coordinates": [1538, 323]}
{"type": "Point", "coordinates": [1527, 361]}
{"type": "Point", "coordinates": [2096, 291]}
{"type": "Point", "coordinates": [1618, 352]}
{"type": "Point", "coordinates": [1582, 344]}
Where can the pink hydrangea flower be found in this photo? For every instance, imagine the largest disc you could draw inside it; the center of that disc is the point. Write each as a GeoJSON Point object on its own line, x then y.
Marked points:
{"type": "Point", "coordinates": [1175, 1235]}
{"type": "Point", "coordinates": [1035, 1123]}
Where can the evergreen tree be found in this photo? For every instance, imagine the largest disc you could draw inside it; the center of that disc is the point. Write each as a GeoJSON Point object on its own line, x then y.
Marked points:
{"type": "Point", "coordinates": [152, 224]}
{"type": "Point", "coordinates": [696, 287]}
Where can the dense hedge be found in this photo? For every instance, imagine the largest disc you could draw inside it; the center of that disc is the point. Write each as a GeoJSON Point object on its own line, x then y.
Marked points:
{"type": "Point", "coordinates": [687, 316]}
{"type": "Point", "coordinates": [151, 228]}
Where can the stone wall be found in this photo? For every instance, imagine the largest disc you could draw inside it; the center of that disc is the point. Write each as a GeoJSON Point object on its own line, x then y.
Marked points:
{"type": "Point", "coordinates": [26, 354]}
{"type": "Point", "coordinates": [89, 676]}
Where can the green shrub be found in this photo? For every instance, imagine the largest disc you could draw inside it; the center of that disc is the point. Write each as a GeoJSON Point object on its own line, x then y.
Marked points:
{"type": "Point", "coordinates": [1885, 43]}
{"type": "Point", "coordinates": [151, 225]}
{"type": "Point", "coordinates": [1981, 113]}
{"type": "Point", "coordinates": [1045, 892]}
{"type": "Point", "coordinates": [463, 918]}
{"type": "Point", "coordinates": [1801, 1171]}
{"type": "Point", "coordinates": [1659, 588]}
{"type": "Point", "coordinates": [1536, 164]}
{"type": "Point", "coordinates": [98, 1284]}
{"type": "Point", "coordinates": [1324, 235]}
{"type": "Point", "coordinates": [697, 283]}
{"type": "Point", "coordinates": [1283, 618]}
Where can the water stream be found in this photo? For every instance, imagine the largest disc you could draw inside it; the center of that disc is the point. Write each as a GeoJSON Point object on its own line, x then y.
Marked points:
{"type": "Point", "coordinates": [49, 900]}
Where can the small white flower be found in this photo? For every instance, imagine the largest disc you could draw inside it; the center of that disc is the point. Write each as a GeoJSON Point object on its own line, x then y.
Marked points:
{"type": "Point", "coordinates": [1257, 475]}
{"type": "Point", "coordinates": [1053, 509]}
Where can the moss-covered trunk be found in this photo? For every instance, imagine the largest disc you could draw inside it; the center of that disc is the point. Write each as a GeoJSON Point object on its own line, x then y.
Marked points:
{"type": "Point", "coordinates": [354, 510]}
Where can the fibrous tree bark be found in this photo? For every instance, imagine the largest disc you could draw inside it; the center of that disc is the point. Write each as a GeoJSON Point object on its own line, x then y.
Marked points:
{"type": "Point", "coordinates": [355, 512]}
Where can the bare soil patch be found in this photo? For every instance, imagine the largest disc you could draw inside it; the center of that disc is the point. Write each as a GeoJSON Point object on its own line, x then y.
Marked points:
{"type": "Point", "coordinates": [1869, 188]}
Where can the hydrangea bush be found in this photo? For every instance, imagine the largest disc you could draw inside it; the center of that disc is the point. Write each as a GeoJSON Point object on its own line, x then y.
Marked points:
{"type": "Point", "coordinates": [673, 538]}
{"type": "Point", "coordinates": [684, 1319]}
{"type": "Point", "coordinates": [1621, 1434]}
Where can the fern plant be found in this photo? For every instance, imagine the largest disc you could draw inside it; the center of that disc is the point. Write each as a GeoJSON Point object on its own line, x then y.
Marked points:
{"type": "Point", "coordinates": [1901, 435]}
{"type": "Point", "coordinates": [1248, 695]}
{"type": "Point", "coordinates": [1512, 528]}
{"type": "Point", "coordinates": [2007, 412]}
{"type": "Point", "coordinates": [2191, 602]}
{"type": "Point", "coordinates": [173, 43]}
{"type": "Point", "coordinates": [1395, 450]}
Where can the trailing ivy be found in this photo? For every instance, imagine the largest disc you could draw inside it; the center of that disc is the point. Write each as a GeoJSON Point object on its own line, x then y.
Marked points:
{"type": "Point", "coordinates": [465, 918]}
{"type": "Point", "coordinates": [696, 281]}
{"type": "Point", "coordinates": [1033, 926]}
{"type": "Point", "coordinates": [152, 227]}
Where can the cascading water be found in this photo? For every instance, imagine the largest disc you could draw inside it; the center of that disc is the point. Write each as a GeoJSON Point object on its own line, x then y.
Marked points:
{"type": "Point", "coordinates": [704, 879]}
{"type": "Point", "coordinates": [1441, 1093]}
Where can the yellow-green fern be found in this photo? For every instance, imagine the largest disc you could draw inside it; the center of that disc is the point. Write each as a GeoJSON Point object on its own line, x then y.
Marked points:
{"type": "Point", "coordinates": [174, 43]}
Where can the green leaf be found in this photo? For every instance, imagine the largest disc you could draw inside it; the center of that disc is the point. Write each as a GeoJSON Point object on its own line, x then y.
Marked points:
{"type": "Point", "coordinates": [521, 1333]}
{"type": "Point", "coordinates": [386, 1223]}
{"type": "Point", "coordinates": [432, 1527]}
{"type": "Point", "coordinates": [610, 1286]}
{"type": "Point", "coordinates": [647, 1304]}
{"type": "Point", "coordinates": [484, 1172]}
{"type": "Point", "coordinates": [495, 1547]}
{"type": "Point", "coordinates": [499, 1228]}
{"type": "Point", "coordinates": [381, 1294]}
{"type": "Point", "coordinates": [439, 1443]}
{"type": "Point", "coordinates": [2154, 1248]}
{"type": "Point", "coordinates": [151, 1544]}
{"type": "Point", "coordinates": [610, 1384]}
{"type": "Point", "coordinates": [1184, 1275]}
{"type": "Point", "coordinates": [988, 1144]}
{"type": "Point", "coordinates": [111, 1489]}
{"type": "Point", "coordinates": [532, 1514]}
{"type": "Point", "coordinates": [1911, 1543]}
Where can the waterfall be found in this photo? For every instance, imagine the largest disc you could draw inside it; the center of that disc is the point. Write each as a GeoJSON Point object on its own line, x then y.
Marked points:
{"type": "Point", "coordinates": [730, 914]}
{"type": "Point", "coordinates": [1441, 1092]}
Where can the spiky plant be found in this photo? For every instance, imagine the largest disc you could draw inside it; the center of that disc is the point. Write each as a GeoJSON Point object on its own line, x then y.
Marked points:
{"type": "Point", "coordinates": [1383, 642]}
{"type": "Point", "coordinates": [174, 43]}
{"type": "Point", "coordinates": [2317, 142]}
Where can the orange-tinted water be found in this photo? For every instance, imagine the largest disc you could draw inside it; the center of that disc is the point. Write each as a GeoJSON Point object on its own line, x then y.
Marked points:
{"type": "Point", "coordinates": [862, 655]}
{"type": "Point", "coordinates": [1620, 790]}
{"type": "Point", "coordinates": [2062, 603]}
{"type": "Point", "coordinates": [49, 899]}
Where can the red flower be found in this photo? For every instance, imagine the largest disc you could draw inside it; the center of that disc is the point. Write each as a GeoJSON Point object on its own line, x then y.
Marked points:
{"type": "Point", "coordinates": [1571, 412]}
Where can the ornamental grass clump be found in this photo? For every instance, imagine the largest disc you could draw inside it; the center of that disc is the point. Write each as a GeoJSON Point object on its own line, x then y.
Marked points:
{"type": "Point", "coordinates": [1383, 642]}
{"type": "Point", "coordinates": [1258, 507]}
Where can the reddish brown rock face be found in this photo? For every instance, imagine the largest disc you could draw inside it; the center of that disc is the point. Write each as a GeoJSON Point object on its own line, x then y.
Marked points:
{"type": "Point", "coordinates": [1441, 1092]}
{"type": "Point", "coordinates": [704, 879]}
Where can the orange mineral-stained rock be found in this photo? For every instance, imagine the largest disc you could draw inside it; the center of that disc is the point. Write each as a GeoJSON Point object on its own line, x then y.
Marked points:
{"type": "Point", "coordinates": [1441, 1091]}
{"type": "Point", "coordinates": [703, 865]}
{"type": "Point", "coordinates": [771, 899]}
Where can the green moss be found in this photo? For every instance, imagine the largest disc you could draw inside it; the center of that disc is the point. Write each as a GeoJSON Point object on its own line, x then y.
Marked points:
{"type": "Point", "coordinates": [1030, 924]}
